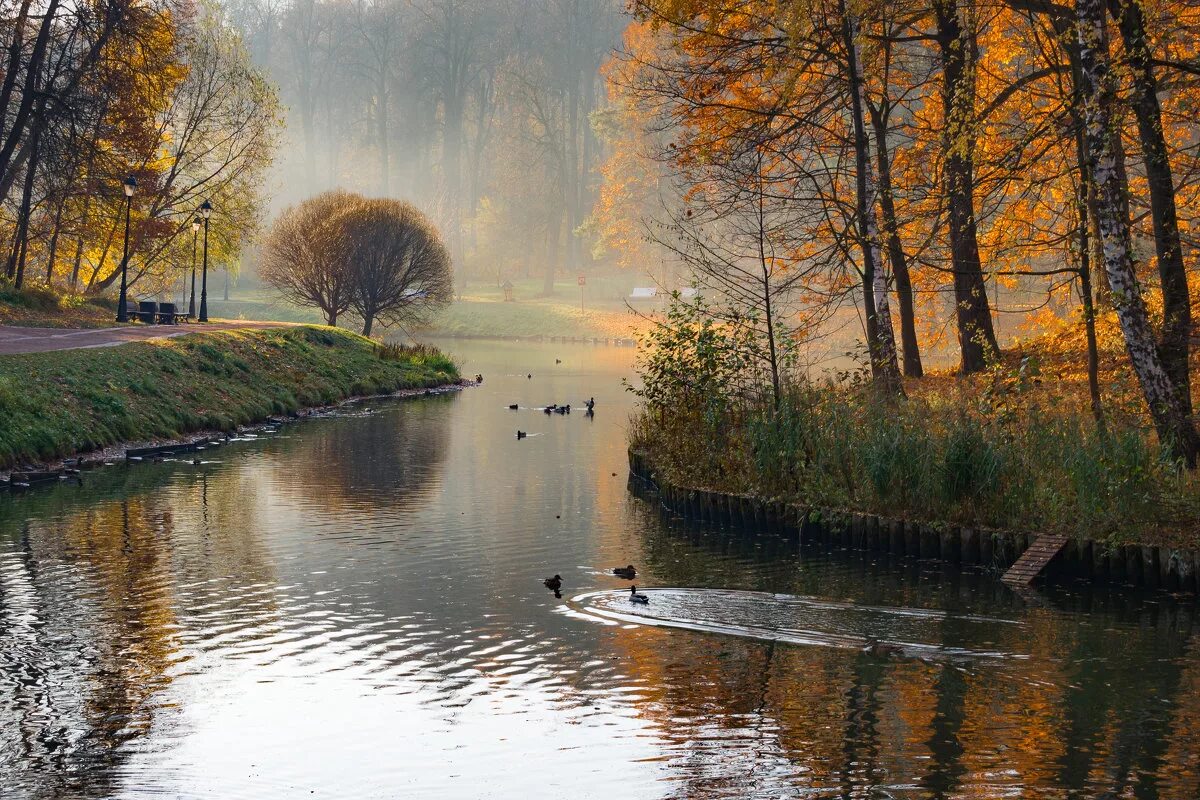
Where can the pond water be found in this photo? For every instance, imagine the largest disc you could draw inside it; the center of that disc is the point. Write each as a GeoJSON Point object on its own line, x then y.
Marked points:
{"type": "Point", "coordinates": [353, 608]}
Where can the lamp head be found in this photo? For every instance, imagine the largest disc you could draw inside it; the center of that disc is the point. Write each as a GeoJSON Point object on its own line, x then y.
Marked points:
{"type": "Point", "coordinates": [130, 186]}
{"type": "Point", "coordinates": [206, 209]}
{"type": "Point", "coordinates": [195, 224]}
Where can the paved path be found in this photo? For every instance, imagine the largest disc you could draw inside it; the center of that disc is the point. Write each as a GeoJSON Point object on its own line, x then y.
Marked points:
{"type": "Point", "coordinates": [14, 339]}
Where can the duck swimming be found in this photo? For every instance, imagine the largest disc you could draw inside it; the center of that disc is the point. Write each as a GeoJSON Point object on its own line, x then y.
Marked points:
{"type": "Point", "coordinates": [634, 597]}
{"type": "Point", "coordinates": [554, 583]}
{"type": "Point", "coordinates": [521, 434]}
{"type": "Point", "coordinates": [513, 407]}
{"type": "Point", "coordinates": [877, 648]}
{"type": "Point", "coordinates": [548, 409]}
{"type": "Point", "coordinates": [628, 573]}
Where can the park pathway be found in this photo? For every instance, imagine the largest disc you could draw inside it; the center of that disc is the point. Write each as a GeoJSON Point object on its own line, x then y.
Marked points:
{"type": "Point", "coordinates": [14, 339]}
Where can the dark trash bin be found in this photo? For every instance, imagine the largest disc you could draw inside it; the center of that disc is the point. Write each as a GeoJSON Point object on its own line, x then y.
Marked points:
{"type": "Point", "coordinates": [147, 311]}
{"type": "Point", "coordinates": [166, 313]}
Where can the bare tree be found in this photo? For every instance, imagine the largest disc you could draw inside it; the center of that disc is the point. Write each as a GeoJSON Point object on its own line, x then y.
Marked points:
{"type": "Point", "coordinates": [305, 256]}
{"type": "Point", "coordinates": [401, 268]}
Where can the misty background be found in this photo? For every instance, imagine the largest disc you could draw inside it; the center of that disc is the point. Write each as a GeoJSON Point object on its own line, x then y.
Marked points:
{"type": "Point", "coordinates": [480, 112]}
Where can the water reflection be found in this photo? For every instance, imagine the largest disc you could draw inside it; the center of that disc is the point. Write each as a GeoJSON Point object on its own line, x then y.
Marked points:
{"type": "Point", "coordinates": [355, 608]}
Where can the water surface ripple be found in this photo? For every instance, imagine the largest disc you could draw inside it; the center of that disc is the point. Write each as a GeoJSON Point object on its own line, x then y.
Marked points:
{"type": "Point", "coordinates": [352, 607]}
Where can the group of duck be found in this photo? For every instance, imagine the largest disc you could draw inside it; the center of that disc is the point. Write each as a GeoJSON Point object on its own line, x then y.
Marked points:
{"type": "Point", "coordinates": [628, 573]}
{"type": "Point", "coordinates": [555, 408]}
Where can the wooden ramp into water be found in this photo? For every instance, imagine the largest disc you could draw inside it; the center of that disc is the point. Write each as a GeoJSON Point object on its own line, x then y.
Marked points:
{"type": "Point", "coordinates": [1034, 559]}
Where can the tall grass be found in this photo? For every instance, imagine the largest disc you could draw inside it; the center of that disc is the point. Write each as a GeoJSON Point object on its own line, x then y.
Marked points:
{"type": "Point", "coordinates": [933, 458]}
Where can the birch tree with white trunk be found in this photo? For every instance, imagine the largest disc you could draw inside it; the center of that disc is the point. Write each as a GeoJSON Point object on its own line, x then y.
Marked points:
{"type": "Point", "coordinates": [1176, 431]}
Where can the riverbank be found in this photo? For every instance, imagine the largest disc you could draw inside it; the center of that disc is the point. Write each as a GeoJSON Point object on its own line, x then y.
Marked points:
{"type": "Point", "coordinates": [545, 318]}
{"type": "Point", "coordinates": [62, 403]}
{"type": "Point", "coordinates": [1175, 569]}
{"type": "Point", "coordinates": [1016, 447]}
{"type": "Point", "coordinates": [934, 458]}
{"type": "Point", "coordinates": [482, 312]}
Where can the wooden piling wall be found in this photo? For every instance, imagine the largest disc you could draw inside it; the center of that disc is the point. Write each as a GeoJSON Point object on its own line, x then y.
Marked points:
{"type": "Point", "coordinates": [1140, 565]}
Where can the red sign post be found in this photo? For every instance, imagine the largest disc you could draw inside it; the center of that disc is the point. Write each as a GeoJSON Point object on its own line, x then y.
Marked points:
{"type": "Point", "coordinates": [582, 281]}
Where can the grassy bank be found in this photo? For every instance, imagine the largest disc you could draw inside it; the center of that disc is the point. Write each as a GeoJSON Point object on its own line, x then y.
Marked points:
{"type": "Point", "coordinates": [481, 311]}
{"type": "Point", "coordinates": [41, 308]}
{"type": "Point", "coordinates": [57, 403]}
{"type": "Point", "coordinates": [262, 304]}
{"type": "Point", "coordinates": [490, 318]}
{"type": "Point", "coordinates": [1015, 448]}
{"type": "Point", "coordinates": [934, 461]}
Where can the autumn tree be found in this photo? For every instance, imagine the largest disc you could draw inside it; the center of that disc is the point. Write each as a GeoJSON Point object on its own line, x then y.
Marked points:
{"type": "Point", "coordinates": [400, 269]}
{"type": "Point", "coordinates": [306, 255]}
{"type": "Point", "coordinates": [339, 252]}
{"type": "Point", "coordinates": [1166, 400]}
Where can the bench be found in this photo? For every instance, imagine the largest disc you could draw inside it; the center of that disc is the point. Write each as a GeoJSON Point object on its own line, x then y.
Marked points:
{"type": "Point", "coordinates": [173, 317]}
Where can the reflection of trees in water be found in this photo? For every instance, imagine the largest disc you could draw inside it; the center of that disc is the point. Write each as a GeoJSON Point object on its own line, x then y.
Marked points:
{"type": "Point", "coordinates": [90, 642]}
{"type": "Point", "coordinates": [1105, 702]}
{"type": "Point", "coordinates": [91, 629]}
{"type": "Point", "coordinates": [386, 459]}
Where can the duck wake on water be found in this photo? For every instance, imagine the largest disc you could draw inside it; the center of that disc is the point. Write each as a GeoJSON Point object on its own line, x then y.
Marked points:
{"type": "Point", "coordinates": [877, 631]}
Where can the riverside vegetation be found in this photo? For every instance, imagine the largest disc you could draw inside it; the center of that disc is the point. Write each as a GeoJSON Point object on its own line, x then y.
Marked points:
{"type": "Point", "coordinates": [62, 402]}
{"type": "Point", "coordinates": [1015, 448]}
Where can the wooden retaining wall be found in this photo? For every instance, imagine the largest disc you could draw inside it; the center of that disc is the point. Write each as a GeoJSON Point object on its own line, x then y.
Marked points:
{"type": "Point", "coordinates": [1139, 565]}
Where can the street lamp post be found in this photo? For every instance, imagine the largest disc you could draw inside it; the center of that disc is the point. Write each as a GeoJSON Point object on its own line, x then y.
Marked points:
{"type": "Point", "coordinates": [130, 186]}
{"type": "Point", "coordinates": [205, 213]}
{"type": "Point", "coordinates": [195, 234]}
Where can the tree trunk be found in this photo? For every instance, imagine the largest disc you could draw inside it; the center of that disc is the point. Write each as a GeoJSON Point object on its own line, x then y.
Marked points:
{"type": "Point", "coordinates": [1085, 204]}
{"type": "Point", "coordinates": [956, 42]}
{"type": "Point", "coordinates": [572, 172]}
{"type": "Point", "coordinates": [1176, 432]}
{"type": "Point", "coordinates": [16, 268]}
{"type": "Point", "coordinates": [16, 45]}
{"type": "Point", "coordinates": [552, 253]}
{"type": "Point", "coordinates": [881, 341]}
{"type": "Point", "coordinates": [368, 322]}
{"type": "Point", "coordinates": [52, 250]}
{"type": "Point", "coordinates": [452, 137]}
{"type": "Point", "coordinates": [1177, 312]}
{"type": "Point", "coordinates": [895, 248]}
{"type": "Point", "coordinates": [384, 183]}
{"type": "Point", "coordinates": [26, 116]}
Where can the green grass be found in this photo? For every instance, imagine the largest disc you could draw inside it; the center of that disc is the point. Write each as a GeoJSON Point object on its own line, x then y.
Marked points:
{"type": "Point", "coordinates": [62, 402]}
{"type": "Point", "coordinates": [482, 311]}
{"type": "Point", "coordinates": [491, 318]}
{"type": "Point", "coordinates": [260, 304]}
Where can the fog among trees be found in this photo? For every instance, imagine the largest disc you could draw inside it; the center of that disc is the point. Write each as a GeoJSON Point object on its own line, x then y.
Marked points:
{"type": "Point", "coordinates": [476, 112]}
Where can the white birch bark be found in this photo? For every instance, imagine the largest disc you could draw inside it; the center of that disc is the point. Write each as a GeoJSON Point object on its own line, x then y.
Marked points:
{"type": "Point", "coordinates": [1175, 429]}
{"type": "Point", "coordinates": [884, 348]}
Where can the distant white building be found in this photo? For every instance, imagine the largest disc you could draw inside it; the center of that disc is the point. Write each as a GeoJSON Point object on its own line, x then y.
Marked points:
{"type": "Point", "coordinates": [651, 293]}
